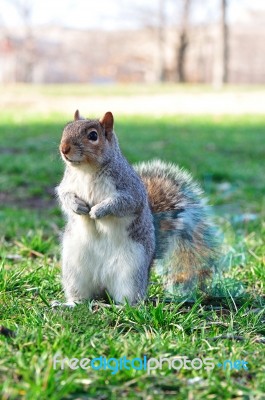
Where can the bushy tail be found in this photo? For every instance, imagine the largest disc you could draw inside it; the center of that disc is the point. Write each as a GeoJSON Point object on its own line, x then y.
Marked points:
{"type": "Point", "coordinates": [187, 248]}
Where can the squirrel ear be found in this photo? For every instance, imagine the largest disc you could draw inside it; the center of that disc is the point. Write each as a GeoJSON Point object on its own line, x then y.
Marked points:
{"type": "Point", "coordinates": [108, 121]}
{"type": "Point", "coordinates": [77, 116]}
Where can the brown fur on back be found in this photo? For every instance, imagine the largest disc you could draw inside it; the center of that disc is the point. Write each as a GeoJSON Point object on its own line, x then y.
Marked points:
{"type": "Point", "coordinates": [162, 193]}
{"type": "Point", "coordinates": [185, 240]}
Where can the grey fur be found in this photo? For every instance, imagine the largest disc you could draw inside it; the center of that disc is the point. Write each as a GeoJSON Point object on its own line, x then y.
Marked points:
{"type": "Point", "coordinates": [129, 200]}
{"type": "Point", "coordinates": [178, 233]}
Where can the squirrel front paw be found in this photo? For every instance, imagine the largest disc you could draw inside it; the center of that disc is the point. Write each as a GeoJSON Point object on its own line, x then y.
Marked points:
{"type": "Point", "coordinates": [98, 211]}
{"type": "Point", "coordinates": [79, 206]}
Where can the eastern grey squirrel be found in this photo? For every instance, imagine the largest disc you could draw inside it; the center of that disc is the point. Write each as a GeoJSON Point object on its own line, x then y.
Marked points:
{"type": "Point", "coordinates": [120, 219]}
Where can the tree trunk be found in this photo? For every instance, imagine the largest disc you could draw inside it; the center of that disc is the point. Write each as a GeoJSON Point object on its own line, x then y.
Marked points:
{"type": "Point", "coordinates": [225, 35]}
{"type": "Point", "coordinates": [161, 41]}
{"type": "Point", "coordinates": [220, 71]}
{"type": "Point", "coordinates": [183, 43]}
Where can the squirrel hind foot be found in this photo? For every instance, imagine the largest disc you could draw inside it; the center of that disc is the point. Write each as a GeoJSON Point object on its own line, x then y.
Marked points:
{"type": "Point", "coordinates": [68, 304]}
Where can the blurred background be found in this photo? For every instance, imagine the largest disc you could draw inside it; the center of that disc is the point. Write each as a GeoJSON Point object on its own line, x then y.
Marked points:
{"type": "Point", "coordinates": [124, 41]}
{"type": "Point", "coordinates": [171, 50]}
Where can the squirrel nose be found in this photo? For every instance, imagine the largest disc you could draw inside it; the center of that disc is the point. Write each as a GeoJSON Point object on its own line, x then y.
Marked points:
{"type": "Point", "coordinates": [65, 148]}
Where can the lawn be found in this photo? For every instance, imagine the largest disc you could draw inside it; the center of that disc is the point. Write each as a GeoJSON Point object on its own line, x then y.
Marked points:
{"type": "Point", "coordinates": [226, 155]}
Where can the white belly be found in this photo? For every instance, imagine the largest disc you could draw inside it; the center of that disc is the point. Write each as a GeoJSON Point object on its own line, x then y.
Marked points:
{"type": "Point", "coordinates": [96, 252]}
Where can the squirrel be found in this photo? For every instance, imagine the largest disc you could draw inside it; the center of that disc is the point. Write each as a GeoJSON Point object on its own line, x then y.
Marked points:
{"type": "Point", "coordinates": [120, 219]}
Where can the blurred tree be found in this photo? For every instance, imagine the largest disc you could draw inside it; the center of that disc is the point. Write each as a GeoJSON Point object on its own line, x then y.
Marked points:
{"type": "Point", "coordinates": [27, 57]}
{"type": "Point", "coordinates": [183, 41]}
{"type": "Point", "coordinates": [220, 74]}
{"type": "Point", "coordinates": [161, 39]}
{"type": "Point", "coordinates": [152, 16]}
{"type": "Point", "coordinates": [225, 49]}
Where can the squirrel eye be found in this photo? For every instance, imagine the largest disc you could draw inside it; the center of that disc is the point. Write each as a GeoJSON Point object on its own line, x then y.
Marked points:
{"type": "Point", "coordinates": [93, 136]}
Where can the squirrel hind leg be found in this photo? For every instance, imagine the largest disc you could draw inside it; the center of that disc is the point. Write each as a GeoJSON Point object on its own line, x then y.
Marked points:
{"type": "Point", "coordinates": [123, 292]}
{"type": "Point", "coordinates": [129, 282]}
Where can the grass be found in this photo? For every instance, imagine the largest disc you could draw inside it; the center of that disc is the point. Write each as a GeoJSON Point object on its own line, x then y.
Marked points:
{"type": "Point", "coordinates": [226, 154]}
{"type": "Point", "coordinates": [62, 90]}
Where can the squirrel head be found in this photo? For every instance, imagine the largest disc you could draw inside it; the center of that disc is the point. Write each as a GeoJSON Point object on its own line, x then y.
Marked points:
{"type": "Point", "coordinates": [88, 141]}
